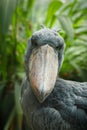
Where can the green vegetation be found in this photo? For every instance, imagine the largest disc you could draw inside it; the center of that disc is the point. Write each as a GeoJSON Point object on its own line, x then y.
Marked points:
{"type": "Point", "coordinates": [18, 20]}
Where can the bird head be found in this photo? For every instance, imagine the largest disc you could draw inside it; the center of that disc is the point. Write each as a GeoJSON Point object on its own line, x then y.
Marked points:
{"type": "Point", "coordinates": [44, 58]}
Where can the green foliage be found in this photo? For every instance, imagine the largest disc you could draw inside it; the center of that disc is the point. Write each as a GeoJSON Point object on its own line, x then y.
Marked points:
{"type": "Point", "coordinates": [14, 32]}
{"type": "Point", "coordinates": [7, 8]}
{"type": "Point", "coordinates": [18, 19]}
{"type": "Point", "coordinates": [72, 18]}
{"type": "Point", "coordinates": [53, 7]}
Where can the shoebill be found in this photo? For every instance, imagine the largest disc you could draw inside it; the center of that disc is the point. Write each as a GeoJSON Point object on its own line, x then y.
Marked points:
{"type": "Point", "coordinates": [49, 102]}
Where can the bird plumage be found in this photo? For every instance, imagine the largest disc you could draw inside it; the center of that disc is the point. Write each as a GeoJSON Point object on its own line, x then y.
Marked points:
{"type": "Point", "coordinates": [65, 106]}
{"type": "Point", "coordinates": [64, 109]}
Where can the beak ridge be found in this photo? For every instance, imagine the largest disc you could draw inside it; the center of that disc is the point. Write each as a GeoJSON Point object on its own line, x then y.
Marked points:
{"type": "Point", "coordinates": [43, 69]}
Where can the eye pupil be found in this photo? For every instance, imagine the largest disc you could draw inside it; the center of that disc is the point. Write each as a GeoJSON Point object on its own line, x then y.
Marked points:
{"type": "Point", "coordinates": [34, 43]}
{"type": "Point", "coordinates": [58, 47]}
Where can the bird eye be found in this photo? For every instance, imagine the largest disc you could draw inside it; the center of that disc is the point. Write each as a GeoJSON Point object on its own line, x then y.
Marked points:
{"type": "Point", "coordinates": [58, 47]}
{"type": "Point", "coordinates": [34, 43]}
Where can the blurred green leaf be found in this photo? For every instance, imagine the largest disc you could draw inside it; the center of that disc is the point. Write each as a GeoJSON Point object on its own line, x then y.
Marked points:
{"type": "Point", "coordinates": [53, 7]}
{"type": "Point", "coordinates": [18, 104]}
{"type": "Point", "coordinates": [7, 8]}
{"type": "Point", "coordinates": [81, 29]}
{"type": "Point", "coordinates": [2, 85]}
{"type": "Point", "coordinates": [17, 98]}
{"type": "Point", "coordinates": [30, 3]}
{"type": "Point", "coordinates": [8, 123]}
{"type": "Point", "coordinates": [67, 26]}
{"type": "Point", "coordinates": [83, 37]}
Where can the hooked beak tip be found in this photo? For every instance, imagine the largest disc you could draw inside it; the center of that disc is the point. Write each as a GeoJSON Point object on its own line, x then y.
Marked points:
{"type": "Point", "coordinates": [42, 97]}
{"type": "Point", "coordinates": [40, 94]}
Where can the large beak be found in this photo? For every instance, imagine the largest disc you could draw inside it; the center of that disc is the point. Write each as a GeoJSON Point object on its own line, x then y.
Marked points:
{"type": "Point", "coordinates": [43, 68]}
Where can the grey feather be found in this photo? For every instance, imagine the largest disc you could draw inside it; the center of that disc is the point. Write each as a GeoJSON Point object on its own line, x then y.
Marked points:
{"type": "Point", "coordinates": [62, 110]}
{"type": "Point", "coordinates": [66, 107]}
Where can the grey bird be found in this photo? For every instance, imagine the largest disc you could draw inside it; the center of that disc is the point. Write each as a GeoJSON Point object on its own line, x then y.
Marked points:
{"type": "Point", "coordinates": [49, 102]}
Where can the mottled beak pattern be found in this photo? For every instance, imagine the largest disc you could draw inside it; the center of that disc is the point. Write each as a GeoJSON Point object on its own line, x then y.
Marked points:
{"type": "Point", "coordinates": [43, 70]}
